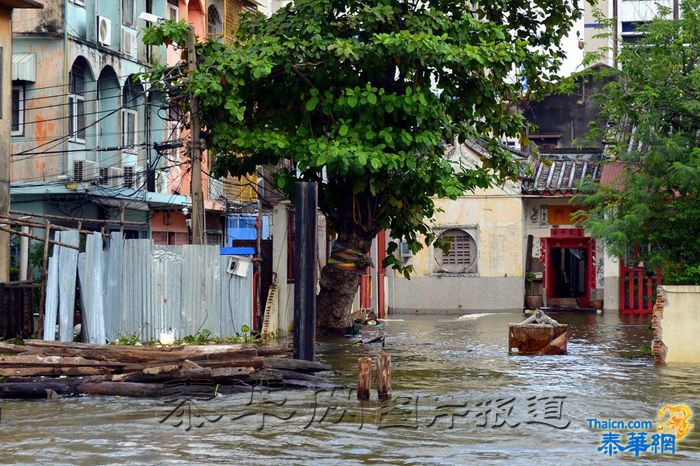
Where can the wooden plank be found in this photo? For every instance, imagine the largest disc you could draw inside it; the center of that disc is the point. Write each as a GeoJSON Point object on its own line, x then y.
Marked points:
{"type": "Point", "coordinates": [223, 374]}
{"type": "Point", "coordinates": [35, 360]}
{"type": "Point", "coordinates": [52, 371]}
{"type": "Point", "coordinates": [38, 389]}
{"type": "Point", "coordinates": [296, 365]}
{"type": "Point", "coordinates": [9, 348]}
{"type": "Point", "coordinates": [51, 345]}
{"type": "Point", "coordinates": [138, 390]}
{"type": "Point", "coordinates": [256, 362]}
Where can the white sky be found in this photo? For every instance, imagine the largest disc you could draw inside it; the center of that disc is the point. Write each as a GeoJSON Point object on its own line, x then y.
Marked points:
{"type": "Point", "coordinates": [574, 56]}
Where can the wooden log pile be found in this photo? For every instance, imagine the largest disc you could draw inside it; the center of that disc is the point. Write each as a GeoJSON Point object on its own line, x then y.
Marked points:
{"type": "Point", "coordinates": [45, 369]}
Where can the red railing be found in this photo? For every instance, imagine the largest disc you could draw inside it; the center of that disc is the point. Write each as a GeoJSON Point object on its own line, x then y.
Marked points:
{"type": "Point", "coordinates": [637, 289]}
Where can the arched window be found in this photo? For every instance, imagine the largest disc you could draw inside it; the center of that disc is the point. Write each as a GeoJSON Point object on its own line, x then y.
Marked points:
{"type": "Point", "coordinates": [460, 256]}
{"type": "Point", "coordinates": [215, 25]}
{"type": "Point", "coordinates": [76, 102]}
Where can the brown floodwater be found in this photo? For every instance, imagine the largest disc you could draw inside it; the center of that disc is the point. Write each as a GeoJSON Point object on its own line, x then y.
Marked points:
{"type": "Point", "coordinates": [461, 399]}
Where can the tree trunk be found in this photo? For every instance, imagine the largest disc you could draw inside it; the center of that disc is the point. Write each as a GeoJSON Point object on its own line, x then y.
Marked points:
{"type": "Point", "coordinates": [338, 290]}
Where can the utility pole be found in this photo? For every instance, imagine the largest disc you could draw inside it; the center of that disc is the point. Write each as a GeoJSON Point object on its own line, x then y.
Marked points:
{"type": "Point", "coordinates": [304, 266]}
{"type": "Point", "coordinates": [615, 32]}
{"type": "Point", "coordinates": [195, 151]}
{"type": "Point", "coordinates": [5, 211]}
{"type": "Point", "coordinates": [676, 9]}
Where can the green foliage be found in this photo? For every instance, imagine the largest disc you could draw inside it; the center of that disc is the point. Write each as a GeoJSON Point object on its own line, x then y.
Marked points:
{"type": "Point", "coordinates": [128, 338]}
{"type": "Point", "coordinates": [644, 351]}
{"type": "Point", "coordinates": [167, 32]}
{"type": "Point", "coordinates": [201, 337]}
{"type": "Point", "coordinates": [654, 110]}
{"type": "Point", "coordinates": [363, 96]}
{"type": "Point", "coordinates": [205, 336]}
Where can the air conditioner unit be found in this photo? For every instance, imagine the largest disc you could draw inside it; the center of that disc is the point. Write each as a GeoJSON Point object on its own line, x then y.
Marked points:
{"type": "Point", "coordinates": [129, 43]}
{"type": "Point", "coordinates": [129, 177]}
{"type": "Point", "coordinates": [134, 177]}
{"type": "Point", "coordinates": [85, 171]}
{"type": "Point", "coordinates": [104, 177]}
{"type": "Point", "coordinates": [115, 176]}
{"type": "Point", "coordinates": [111, 176]}
{"type": "Point", "coordinates": [104, 30]}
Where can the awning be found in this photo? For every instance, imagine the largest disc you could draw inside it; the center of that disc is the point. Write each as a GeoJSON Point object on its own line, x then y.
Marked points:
{"type": "Point", "coordinates": [24, 67]}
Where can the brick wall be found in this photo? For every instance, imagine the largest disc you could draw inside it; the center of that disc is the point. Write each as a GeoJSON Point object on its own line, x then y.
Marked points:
{"type": "Point", "coordinates": [658, 349]}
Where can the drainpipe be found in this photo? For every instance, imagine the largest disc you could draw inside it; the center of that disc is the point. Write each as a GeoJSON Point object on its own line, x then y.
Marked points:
{"type": "Point", "coordinates": [66, 80]}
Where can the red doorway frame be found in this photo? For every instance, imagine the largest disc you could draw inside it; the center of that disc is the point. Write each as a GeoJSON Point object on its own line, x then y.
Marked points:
{"type": "Point", "coordinates": [569, 238]}
{"type": "Point", "coordinates": [366, 288]}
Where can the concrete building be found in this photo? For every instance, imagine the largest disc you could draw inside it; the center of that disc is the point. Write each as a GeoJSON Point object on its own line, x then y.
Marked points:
{"type": "Point", "coordinates": [563, 120]}
{"type": "Point", "coordinates": [502, 235]}
{"type": "Point", "coordinates": [626, 16]}
{"type": "Point", "coordinates": [85, 127]}
{"type": "Point", "coordinates": [6, 118]}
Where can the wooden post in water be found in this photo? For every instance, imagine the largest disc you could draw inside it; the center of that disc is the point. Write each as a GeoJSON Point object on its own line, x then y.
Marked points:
{"type": "Point", "coordinates": [364, 375]}
{"type": "Point", "coordinates": [384, 376]}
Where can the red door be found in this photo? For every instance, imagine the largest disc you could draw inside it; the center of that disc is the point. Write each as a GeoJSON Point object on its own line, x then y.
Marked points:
{"type": "Point", "coordinates": [563, 242]}
{"type": "Point", "coordinates": [366, 287]}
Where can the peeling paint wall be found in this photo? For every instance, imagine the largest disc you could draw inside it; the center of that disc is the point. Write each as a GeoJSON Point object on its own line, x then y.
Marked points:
{"type": "Point", "coordinates": [47, 21]}
{"type": "Point", "coordinates": [498, 225]}
{"type": "Point", "coordinates": [44, 115]}
{"type": "Point", "coordinates": [495, 220]}
{"type": "Point", "coordinates": [42, 153]}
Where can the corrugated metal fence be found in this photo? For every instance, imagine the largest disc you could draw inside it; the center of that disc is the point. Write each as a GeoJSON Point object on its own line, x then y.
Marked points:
{"type": "Point", "coordinates": [135, 286]}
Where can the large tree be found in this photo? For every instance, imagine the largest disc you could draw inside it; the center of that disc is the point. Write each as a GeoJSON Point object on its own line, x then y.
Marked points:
{"type": "Point", "coordinates": [653, 135]}
{"type": "Point", "coordinates": [362, 96]}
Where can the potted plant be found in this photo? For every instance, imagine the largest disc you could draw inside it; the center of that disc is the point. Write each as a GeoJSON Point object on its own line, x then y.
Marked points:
{"type": "Point", "coordinates": [533, 298]}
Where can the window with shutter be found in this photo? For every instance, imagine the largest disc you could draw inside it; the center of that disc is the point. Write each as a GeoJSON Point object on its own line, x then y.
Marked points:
{"type": "Point", "coordinates": [460, 255]}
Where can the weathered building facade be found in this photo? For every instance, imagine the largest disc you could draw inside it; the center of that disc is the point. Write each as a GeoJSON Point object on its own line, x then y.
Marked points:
{"type": "Point", "coordinates": [6, 118]}
{"type": "Point", "coordinates": [625, 17]}
{"type": "Point", "coordinates": [85, 126]}
{"type": "Point", "coordinates": [508, 241]}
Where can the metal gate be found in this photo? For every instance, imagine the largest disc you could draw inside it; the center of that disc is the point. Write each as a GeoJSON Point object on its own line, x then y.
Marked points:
{"type": "Point", "coordinates": [637, 289]}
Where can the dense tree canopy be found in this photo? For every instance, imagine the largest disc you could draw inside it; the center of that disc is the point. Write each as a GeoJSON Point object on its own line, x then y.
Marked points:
{"type": "Point", "coordinates": [653, 110]}
{"type": "Point", "coordinates": [362, 95]}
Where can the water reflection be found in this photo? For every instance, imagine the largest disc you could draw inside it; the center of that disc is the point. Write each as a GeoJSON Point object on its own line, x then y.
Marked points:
{"type": "Point", "coordinates": [435, 358]}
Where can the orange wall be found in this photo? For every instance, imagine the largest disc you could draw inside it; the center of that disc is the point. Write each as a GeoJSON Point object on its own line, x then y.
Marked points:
{"type": "Point", "coordinates": [168, 221]}
{"type": "Point", "coordinates": [180, 178]}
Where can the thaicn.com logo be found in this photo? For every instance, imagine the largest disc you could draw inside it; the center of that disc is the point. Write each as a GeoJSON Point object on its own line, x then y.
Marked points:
{"type": "Point", "coordinates": [636, 437]}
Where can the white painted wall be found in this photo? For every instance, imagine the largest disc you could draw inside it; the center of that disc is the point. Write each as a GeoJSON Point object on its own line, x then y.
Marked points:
{"type": "Point", "coordinates": [680, 324]}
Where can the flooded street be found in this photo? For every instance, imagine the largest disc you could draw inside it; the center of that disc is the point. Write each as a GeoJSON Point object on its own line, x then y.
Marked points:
{"type": "Point", "coordinates": [443, 367]}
